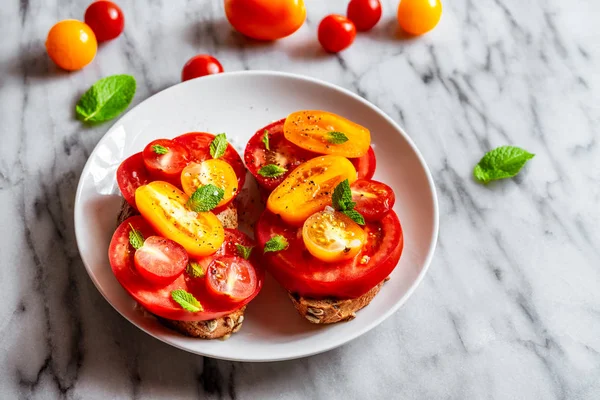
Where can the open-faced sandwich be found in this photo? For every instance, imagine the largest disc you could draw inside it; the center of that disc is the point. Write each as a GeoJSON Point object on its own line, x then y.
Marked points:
{"type": "Point", "coordinates": [328, 234]}
{"type": "Point", "coordinates": [176, 250]}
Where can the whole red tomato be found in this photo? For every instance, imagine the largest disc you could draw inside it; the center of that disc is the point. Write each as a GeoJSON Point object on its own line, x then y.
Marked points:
{"type": "Point", "coordinates": [200, 65]}
{"type": "Point", "coordinates": [364, 13]}
{"type": "Point", "coordinates": [265, 19]}
{"type": "Point", "coordinates": [336, 33]}
{"type": "Point", "coordinates": [106, 20]}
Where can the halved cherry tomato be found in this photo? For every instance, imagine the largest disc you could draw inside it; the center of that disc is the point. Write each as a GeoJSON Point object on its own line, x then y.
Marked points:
{"type": "Point", "coordinates": [364, 13]}
{"type": "Point", "coordinates": [323, 132]}
{"type": "Point", "coordinates": [309, 187]}
{"type": "Point", "coordinates": [156, 298]}
{"type": "Point", "coordinates": [132, 174]}
{"type": "Point", "coordinates": [106, 19]}
{"type": "Point", "coordinates": [332, 236]}
{"type": "Point", "coordinates": [214, 171]}
{"type": "Point", "coordinates": [365, 165]}
{"type": "Point", "coordinates": [200, 65]}
{"type": "Point", "coordinates": [281, 152]}
{"type": "Point", "coordinates": [265, 19]}
{"type": "Point", "coordinates": [164, 207]}
{"type": "Point", "coordinates": [71, 44]}
{"type": "Point", "coordinates": [373, 199]}
{"type": "Point", "coordinates": [419, 16]}
{"type": "Point", "coordinates": [336, 33]}
{"type": "Point", "coordinates": [160, 260]}
{"type": "Point", "coordinates": [198, 144]}
{"type": "Point", "coordinates": [231, 277]}
{"type": "Point", "coordinates": [165, 159]}
{"type": "Point", "coordinates": [301, 273]}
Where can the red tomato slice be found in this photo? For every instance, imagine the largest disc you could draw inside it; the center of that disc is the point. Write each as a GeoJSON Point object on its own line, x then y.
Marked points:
{"type": "Point", "coordinates": [156, 298]}
{"type": "Point", "coordinates": [198, 144]}
{"type": "Point", "coordinates": [301, 273]}
{"type": "Point", "coordinates": [132, 174]}
{"type": "Point", "coordinates": [365, 165]}
{"type": "Point", "coordinates": [160, 260]}
{"type": "Point", "coordinates": [165, 159]}
{"type": "Point", "coordinates": [231, 277]}
{"type": "Point", "coordinates": [282, 153]}
{"type": "Point", "coordinates": [373, 199]}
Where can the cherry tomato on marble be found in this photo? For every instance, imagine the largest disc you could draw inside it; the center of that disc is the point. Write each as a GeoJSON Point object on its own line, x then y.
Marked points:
{"type": "Point", "coordinates": [200, 65]}
{"type": "Point", "coordinates": [71, 44]}
{"type": "Point", "coordinates": [265, 19]}
{"type": "Point", "coordinates": [106, 20]}
{"type": "Point", "coordinates": [364, 13]}
{"type": "Point", "coordinates": [336, 33]}
{"type": "Point", "coordinates": [419, 16]}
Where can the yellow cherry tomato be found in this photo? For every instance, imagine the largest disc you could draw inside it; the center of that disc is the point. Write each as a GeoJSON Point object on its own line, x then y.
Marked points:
{"type": "Point", "coordinates": [214, 171]}
{"type": "Point", "coordinates": [71, 44]}
{"type": "Point", "coordinates": [332, 236]}
{"type": "Point", "coordinates": [419, 16]}
{"type": "Point", "coordinates": [327, 133]}
{"type": "Point", "coordinates": [163, 206]}
{"type": "Point", "coordinates": [309, 187]}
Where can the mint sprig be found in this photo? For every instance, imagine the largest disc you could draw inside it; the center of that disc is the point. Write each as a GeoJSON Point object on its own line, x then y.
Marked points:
{"type": "Point", "coordinates": [500, 163]}
{"type": "Point", "coordinates": [218, 145]}
{"type": "Point", "coordinates": [106, 99]}
{"type": "Point", "coordinates": [186, 300]}
{"type": "Point", "coordinates": [341, 200]}
{"type": "Point", "coordinates": [271, 171]}
{"type": "Point", "coordinates": [205, 198]}
{"type": "Point", "coordinates": [336, 137]}
{"type": "Point", "coordinates": [265, 140]}
{"type": "Point", "coordinates": [276, 243]}
{"type": "Point", "coordinates": [195, 270]}
{"type": "Point", "coordinates": [136, 239]}
{"type": "Point", "coordinates": [244, 251]}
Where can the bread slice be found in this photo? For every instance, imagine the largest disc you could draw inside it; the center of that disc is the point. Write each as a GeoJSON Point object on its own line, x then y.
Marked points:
{"type": "Point", "coordinates": [330, 311]}
{"type": "Point", "coordinates": [215, 328]}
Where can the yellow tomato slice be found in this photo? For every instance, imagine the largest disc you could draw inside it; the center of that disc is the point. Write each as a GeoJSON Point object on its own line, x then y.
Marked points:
{"type": "Point", "coordinates": [332, 236]}
{"type": "Point", "coordinates": [309, 187]}
{"type": "Point", "coordinates": [163, 206]}
{"type": "Point", "coordinates": [214, 171]}
{"type": "Point", "coordinates": [326, 133]}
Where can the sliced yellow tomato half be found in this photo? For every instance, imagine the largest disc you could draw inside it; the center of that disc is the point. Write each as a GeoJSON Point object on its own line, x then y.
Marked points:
{"type": "Point", "coordinates": [214, 171]}
{"type": "Point", "coordinates": [327, 133]}
{"type": "Point", "coordinates": [309, 187]}
{"type": "Point", "coordinates": [163, 206]}
{"type": "Point", "coordinates": [332, 236]}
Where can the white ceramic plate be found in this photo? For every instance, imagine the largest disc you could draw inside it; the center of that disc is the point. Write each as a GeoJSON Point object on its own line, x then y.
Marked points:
{"type": "Point", "coordinates": [239, 104]}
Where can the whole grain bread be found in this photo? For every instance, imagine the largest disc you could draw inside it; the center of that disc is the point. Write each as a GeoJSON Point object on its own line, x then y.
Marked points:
{"type": "Point", "coordinates": [215, 328]}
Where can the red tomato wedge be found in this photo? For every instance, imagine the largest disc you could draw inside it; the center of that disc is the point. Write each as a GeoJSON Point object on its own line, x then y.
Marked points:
{"type": "Point", "coordinates": [160, 260]}
{"type": "Point", "coordinates": [157, 298]}
{"type": "Point", "coordinates": [132, 174]}
{"type": "Point", "coordinates": [373, 199]}
{"type": "Point", "coordinates": [165, 159]}
{"type": "Point", "coordinates": [301, 273]}
{"type": "Point", "coordinates": [231, 277]}
{"type": "Point", "coordinates": [365, 165]}
{"type": "Point", "coordinates": [281, 152]}
{"type": "Point", "coordinates": [198, 144]}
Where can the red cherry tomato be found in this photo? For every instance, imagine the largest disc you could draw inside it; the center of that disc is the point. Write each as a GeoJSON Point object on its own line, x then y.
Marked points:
{"type": "Point", "coordinates": [364, 13]}
{"type": "Point", "coordinates": [336, 33]}
{"type": "Point", "coordinates": [200, 65]}
{"type": "Point", "coordinates": [373, 199]}
{"type": "Point", "coordinates": [365, 165]}
{"type": "Point", "coordinates": [106, 20]}
{"type": "Point", "coordinates": [132, 174]}
{"type": "Point", "coordinates": [165, 159]}
{"type": "Point", "coordinates": [231, 277]}
{"type": "Point", "coordinates": [160, 260]}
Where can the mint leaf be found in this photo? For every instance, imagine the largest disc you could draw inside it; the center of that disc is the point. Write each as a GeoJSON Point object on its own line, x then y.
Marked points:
{"type": "Point", "coordinates": [218, 145]}
{"type": "Point", "coordinates": [186, 300]}
{"type": "Point", "coordinates": [355, 216]}
{"type": "Point", "coordinates": [158, 149]}
{"type": "Point", "coordinates": [195, 270]}
{"type": "Point", "coordinates": [205, 198]}
{"type": "Point", "coordinates": [106, 99]}
{"type": "Point", "coordinates": [136, 239]}
{"type": "Point", "coordinates": [271, 171]}
{"type": "Point", "coordinates": [342, 197]}
{"type": "Point", "coordinates": [336, 137]}
{"type": "Point", "coordinates": [265, 140]}
{"type": "Point", "coordinates": [276, 243]}
{"type": "Point", "coordinates": [501, 162]}
{"type": "Point", "coordinates": [244, 251]}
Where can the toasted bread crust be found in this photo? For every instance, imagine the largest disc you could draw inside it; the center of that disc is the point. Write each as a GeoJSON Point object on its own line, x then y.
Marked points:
{"type": "Point", "coordinates": [215, 328]}
{"type": "Point", "coordinates": [329, 311]}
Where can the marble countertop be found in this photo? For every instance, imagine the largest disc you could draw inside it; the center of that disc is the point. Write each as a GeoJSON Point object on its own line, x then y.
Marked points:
{"type": "Point", "coordinates": [510, 308]}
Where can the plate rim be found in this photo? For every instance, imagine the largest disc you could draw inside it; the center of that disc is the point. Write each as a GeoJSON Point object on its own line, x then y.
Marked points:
{"type": "Point", "coordinates": [304, 78]}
